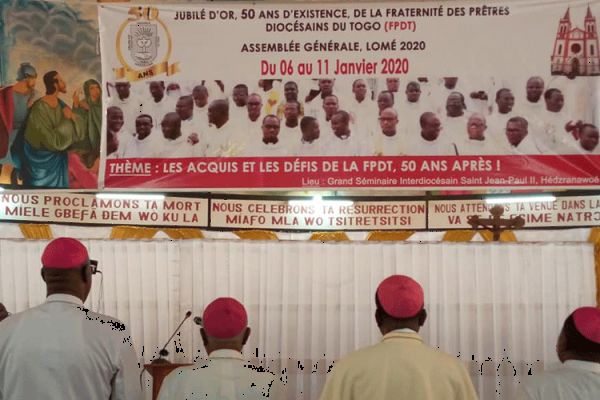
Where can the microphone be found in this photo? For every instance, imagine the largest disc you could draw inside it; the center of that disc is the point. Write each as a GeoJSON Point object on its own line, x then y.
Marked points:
{"type": "Point", "coordinates": [164, 352]}
{"type": "Point", "coordinates": [198, 320]}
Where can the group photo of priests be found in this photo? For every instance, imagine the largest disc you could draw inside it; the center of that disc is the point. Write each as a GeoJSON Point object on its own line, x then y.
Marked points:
{"type": "Point", "coordinates": [341, 117]}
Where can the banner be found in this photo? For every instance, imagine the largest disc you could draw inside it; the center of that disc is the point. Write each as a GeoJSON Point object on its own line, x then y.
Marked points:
{"type": "Point", "coordinates": [567, 211]}
{"type": "Point", "coordinates": [322, 215]}
{"type": "Point", "coordinates": [104, 209]}
{"type": "Point", "coordinates": [411, 95]}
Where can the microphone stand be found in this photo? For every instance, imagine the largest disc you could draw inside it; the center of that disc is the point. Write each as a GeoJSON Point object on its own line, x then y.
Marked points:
{"type": "Point", "coordinates": [164, 352]}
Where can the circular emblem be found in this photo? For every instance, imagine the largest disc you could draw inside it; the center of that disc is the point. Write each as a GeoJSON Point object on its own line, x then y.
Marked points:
{"type": "Point", "coordinates": [143, 43]}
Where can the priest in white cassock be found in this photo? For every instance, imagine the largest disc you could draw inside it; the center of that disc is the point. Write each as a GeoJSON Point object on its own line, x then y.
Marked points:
{"type": "Point", "coordinates": [191, 126]}
{"type": "Point", "coordinates": [314, 101]}
{"type": "Point", "coordinates": [455, 120]}
{"type": "Point", "coordinates": [224, 137]}
{"type": "Point", "coordinates": [578, 350]}
{"type": "Point", "coordinates": [160, 104]}
{"type": "Point", "coordinates": [388, 140]}
{"type": "Point", "coordinates": [362, 108]}
{"type": "Point", "coordinates": [410, 109]}
{"type": "Point", "coordinates": [553, 130]}
{"type": "Point", "coordinates": [533, 105]}
{"type": "Point", "coordinates": [200, 96]}
{"type": "Point", "coordinates": [239, 96]}
{"type": "Point", "coordinates": [385, 99]}
{"type": "Point", "coordinates": [479, 93]}
{"type": "Point", "coordinates": [226, 376]}
{"type": "Point", "coordinates": [503, 111]}
{"type": "Point", "coordinates": [175, 143]}
{"type": "Point", "coordinates": [60, 349]}
{"type": "Point", "coordinates": [146, 143]}
{"type": "Point", "coordinates": [518, 139]}
{"type": "Point", "coordinates": [270, 145]}
{"type": "Point", "coordinates": [115, 131]}
{"type": "Point", "coordinates": [174, 90]}
{"type": "Point", "coordinates": [587, 143]}
{"type": "Point", "coordinates": [441, 88]}
{"type": "Point", "coordinates": [254, 116]}
{"type": "Point", "coordinates": [290, 93]}
{"type": "Point", "coordinates": [290, 133]}
{"type": "Point", "coordinates": [432, 140]}
{"type": "Point", "coordinates": [129, 103]}
{"type": "Point", "coordinates": [476, 142]}
{"type": "Point", "coordinates": [310, 144]}
{"type": "Point", "coordinates": [330, 106]}
{"type": "Point", "coordinates": [401, 365]}
{"type": "Point", "coordinates": [343, 141]}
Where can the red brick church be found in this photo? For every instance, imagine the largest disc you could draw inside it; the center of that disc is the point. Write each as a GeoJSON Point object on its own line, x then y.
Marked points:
{"type": "Point", "coordinates": [576, 51]}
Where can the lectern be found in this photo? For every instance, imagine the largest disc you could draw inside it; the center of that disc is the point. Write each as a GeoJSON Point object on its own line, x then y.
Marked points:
{"type": "Point", "coordinates": [158, 372]}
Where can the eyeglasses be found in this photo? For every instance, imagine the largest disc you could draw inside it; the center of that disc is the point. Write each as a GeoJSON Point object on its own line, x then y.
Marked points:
{"type": "Point", "coordinates": [93, 264]}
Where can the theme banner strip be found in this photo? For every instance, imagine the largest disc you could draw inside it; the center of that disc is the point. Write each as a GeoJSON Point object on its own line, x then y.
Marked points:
{"type": "Point", "coordinates": [356, 172]}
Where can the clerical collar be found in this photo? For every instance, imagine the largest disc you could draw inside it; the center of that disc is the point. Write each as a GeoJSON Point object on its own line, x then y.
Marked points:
{"type": "Point", "coordinates": [270, 141]}
{"type": "Point", "coordinates": [64, 298]}
{"type": "Point", "coordinates": [343, 137]}
{"type": "Point", "coordinates": [226, 353]}
{"type": "Point", "coordinates": [404, 330]}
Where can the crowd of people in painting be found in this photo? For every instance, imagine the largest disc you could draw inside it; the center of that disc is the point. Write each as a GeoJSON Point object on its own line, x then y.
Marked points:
{"type": "Point", "coordinates": [367, 117]}
{"type": "Point", "coordinates": [45, 142]}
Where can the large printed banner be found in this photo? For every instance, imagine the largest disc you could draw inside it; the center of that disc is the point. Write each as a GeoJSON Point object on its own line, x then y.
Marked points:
{"type": "Point", "coordinates": [411, 95]}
